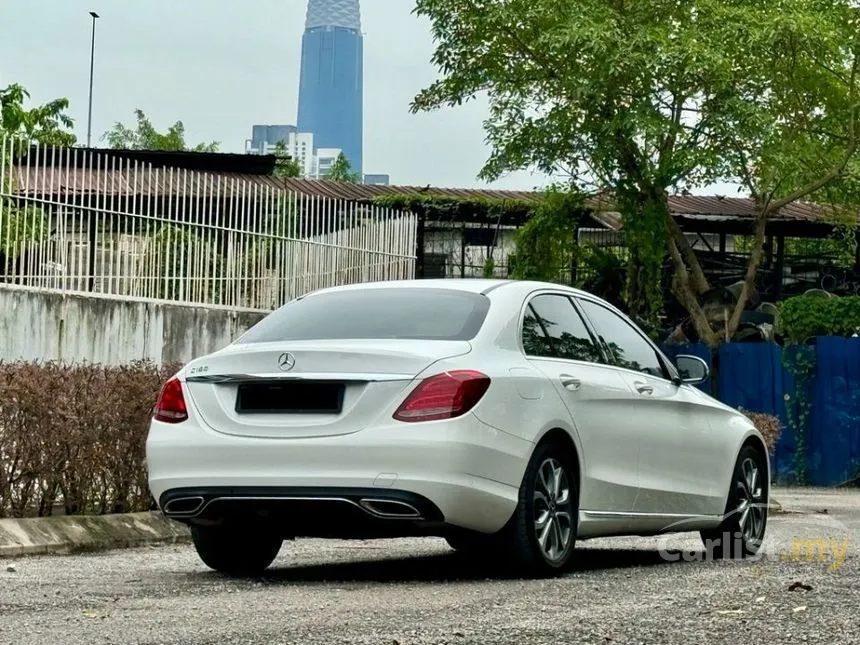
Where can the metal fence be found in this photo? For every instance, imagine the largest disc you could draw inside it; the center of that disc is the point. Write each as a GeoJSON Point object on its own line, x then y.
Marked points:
{"type": "Point", "coordinates": [82, 221]}
{"type": "Point", "coordinates": [467, 250]}
{"type": "Point", "coordinates": [485, 249]}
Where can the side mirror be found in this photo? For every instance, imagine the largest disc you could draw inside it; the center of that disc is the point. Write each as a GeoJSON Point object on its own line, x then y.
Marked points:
{"type": "Point", "coordinates": [693, 370]}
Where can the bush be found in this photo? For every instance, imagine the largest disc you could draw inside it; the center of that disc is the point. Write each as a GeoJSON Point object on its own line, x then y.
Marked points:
{"type": "Point", "coordinates": [804, 317]}
{"type": "Point", "coordinates": [769, 426]}
{"type": "Point", "coordinates": [73, 436]}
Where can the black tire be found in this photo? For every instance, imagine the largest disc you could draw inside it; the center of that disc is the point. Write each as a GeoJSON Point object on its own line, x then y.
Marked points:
{"type": "Point", "coordinates": [521, 533]}
{"type": "Point", "coordinates": [234, 550]}
{"type": "Point", "coordinates": [742, 530]}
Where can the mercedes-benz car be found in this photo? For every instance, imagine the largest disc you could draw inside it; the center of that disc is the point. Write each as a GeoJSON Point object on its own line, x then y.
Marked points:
{"type": "Point", "coordinates": [511, 418]}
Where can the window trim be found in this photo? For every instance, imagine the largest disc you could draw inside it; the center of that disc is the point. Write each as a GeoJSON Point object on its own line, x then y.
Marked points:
{"type": "Point", "coordinates": [589, 328]}
{"type": "Point", "coordinates": [661, 358]}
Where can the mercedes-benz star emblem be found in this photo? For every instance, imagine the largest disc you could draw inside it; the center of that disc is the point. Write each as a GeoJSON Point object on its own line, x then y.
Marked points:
{"type": "Point", "coordinates": [286, 362]}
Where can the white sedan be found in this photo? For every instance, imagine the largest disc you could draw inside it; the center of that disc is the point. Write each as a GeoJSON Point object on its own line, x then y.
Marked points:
{"type": "Point", "coordinates": [509, 417]}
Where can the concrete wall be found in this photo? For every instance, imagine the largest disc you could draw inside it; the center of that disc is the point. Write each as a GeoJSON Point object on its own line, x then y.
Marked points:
{"type": "Point", "coordinates": [44, 326]}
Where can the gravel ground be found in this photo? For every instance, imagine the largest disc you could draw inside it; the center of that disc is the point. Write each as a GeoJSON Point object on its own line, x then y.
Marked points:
{"type": "Point", "coordinates": [416, 591]}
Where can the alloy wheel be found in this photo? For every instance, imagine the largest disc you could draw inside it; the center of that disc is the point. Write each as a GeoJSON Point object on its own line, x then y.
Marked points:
{"type": "Point", "coordinates": [751, 506]}
{"type": "Point", "coordinates": [553, 510]}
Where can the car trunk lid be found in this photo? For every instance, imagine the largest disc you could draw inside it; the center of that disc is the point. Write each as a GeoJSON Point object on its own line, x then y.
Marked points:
{"type": "Point", "coordinates": [302, 389]}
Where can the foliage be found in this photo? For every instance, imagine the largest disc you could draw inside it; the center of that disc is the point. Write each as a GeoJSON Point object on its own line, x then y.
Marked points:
{"type": "Point", "coordinates": [341, 170]}
{"type": "Point", "coordinates": [639, 99]}
{"type": "Point", "coordinates": [48, 124]}
{"type": "Point", "coordinates": [489, 269]}
{"type": "Point", "coordinates": [21, 227]}
{"type": "Point", "coordinates": [285, 167]}
{"type": "Point", "coordinates": [602, 272]}
{"type": "Point", "coordinates": [768, 425]}
{"type": "Point", "coordinates": [85, 450]}
{"type": "Point", "coordinates": [432, 208]}
{"type": "Point", "coordinates": [804, 317]}
{"type": "Point", "coordinates": [840, 246]}
{"type": "Point", "coordinates": [166, 257]}
{"type": "Point", "coordinates": [799, 361]}
{"type": "Point", "coordinates": [546, 244]}
{"type": "Point", "coordinates": [645, 235]}
{"type": "Point", "coordinates": [144, 136]}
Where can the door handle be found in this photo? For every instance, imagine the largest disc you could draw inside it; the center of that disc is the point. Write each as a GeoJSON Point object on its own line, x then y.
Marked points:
{"type": "Point", "coordinates": [570, 382]}
{"type": "Point", "coordinates": [643, 388]}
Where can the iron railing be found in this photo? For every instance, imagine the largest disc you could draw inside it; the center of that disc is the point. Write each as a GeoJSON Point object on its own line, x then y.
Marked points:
{"type": "Point", "coordinates": [85, 221]}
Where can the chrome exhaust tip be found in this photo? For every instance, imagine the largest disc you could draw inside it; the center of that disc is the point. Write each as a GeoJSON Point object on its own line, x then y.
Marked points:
{"type": "Point", "coordinates": [389, 508]}
{"type": "Point", "coordinates": [183, 506]}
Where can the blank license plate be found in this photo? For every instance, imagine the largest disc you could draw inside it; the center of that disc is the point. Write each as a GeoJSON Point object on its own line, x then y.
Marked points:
{"type": "Point", "coordinates": [290, 398]}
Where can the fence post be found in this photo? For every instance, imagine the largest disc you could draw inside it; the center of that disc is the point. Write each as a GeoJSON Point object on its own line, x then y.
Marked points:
{"type": "Point", "coordinates": [463, 250]}
{"type": "Point", "coordinates": [419, 247]}
{"type": "Point", "coordinates": [91, 247]}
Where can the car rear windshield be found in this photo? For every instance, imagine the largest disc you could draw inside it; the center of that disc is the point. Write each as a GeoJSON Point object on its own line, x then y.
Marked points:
{"type": "Point", "coordinates": [406, 313]}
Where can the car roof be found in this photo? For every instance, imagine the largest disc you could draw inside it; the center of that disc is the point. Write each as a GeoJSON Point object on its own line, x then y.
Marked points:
{"type": "Point", "coordinates": [473, 285]}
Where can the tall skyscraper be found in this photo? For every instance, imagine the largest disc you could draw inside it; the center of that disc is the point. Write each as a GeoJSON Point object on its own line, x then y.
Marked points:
{"type": "Point", "coordinates": [331, 96]}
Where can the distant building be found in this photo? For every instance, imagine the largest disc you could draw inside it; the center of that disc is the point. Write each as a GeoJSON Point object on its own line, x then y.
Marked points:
{"type": "Point", "coordinates": [377, 180]}
{"type": "Point", "coordinates": [263, 135]}
{"type": "Point", "coordinates": [325, 158]}
{"type": "Point", "coordinates": [331, 92]}
{"type": "Point", "coordinates": [299, 145]}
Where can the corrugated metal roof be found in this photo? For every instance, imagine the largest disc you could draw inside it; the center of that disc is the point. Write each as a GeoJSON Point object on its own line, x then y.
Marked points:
{"type": "Point", "coordinates": [30, 180]}
{"type": "Point", "coordinates": [359, 192]}
{"type": "Point", "coordinates": [739, 207]}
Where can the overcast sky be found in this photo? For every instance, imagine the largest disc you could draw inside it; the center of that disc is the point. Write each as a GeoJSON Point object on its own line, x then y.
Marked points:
{"type": "Point", "coordinates": [222, 65]}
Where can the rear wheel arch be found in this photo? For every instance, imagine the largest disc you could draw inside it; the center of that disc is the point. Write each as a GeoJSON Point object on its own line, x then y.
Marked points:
{"type": "Point", "coordinates": [563, 440]}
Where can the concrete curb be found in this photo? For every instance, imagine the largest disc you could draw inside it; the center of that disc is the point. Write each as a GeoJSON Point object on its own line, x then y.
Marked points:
{"type": "Point", "coordinates": [74, 533]}
{"type": "Point", "coordinates": [64, 534]}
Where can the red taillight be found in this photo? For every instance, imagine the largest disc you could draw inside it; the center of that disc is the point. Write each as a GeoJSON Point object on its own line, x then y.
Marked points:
{"type": "Point", "coordinates": [444, 396]}
{"type": "Point", "coordinates": [170, 407]}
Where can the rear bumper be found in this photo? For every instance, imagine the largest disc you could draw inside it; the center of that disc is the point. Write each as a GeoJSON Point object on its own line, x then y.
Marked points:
{"type": "Point", "coordinates": [459, 473]}
{"type": "Point", "coordinates": [309, 512]}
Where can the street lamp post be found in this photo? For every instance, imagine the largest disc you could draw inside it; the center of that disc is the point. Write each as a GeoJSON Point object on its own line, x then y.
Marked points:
{"type": "Point", "coordinates": [92, 67]}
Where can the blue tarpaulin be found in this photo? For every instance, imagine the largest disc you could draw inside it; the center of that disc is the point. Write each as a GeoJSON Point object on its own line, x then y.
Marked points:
{"type": "Point", "coordinates": [834, 434]}
{"type": "Point", "coordinates": [753, 376]}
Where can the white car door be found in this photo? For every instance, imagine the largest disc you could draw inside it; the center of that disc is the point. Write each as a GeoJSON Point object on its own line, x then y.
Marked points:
{"type": "Point", "coordinates": [681, 460]}
{"type": "Point", "coordinates": [557, 342]}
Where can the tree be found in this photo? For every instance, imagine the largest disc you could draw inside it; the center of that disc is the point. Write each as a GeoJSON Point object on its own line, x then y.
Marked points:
{"type": "Point", "coordinates": [640, 99]}
{"type": "Point", "coordinates": [285, 167]}
{"type": "Point", "coordinates": [341, 170]}
{"type": "Point", "coordinates": [797, 135]}
{"type": "Point", "coordinates": [144, 136]}
{"type": "Point", "coordinates": [47, 124]}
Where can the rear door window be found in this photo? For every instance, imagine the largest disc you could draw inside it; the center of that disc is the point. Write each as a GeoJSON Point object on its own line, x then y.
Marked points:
{"type": "Point", "coordinates": [560, 333]}
{"type": "Point", "coordinates": [376, 313]}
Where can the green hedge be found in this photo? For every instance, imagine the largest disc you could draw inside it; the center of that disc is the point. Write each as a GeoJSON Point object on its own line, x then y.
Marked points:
{"type": "Point", "coordinates": [805, 317]}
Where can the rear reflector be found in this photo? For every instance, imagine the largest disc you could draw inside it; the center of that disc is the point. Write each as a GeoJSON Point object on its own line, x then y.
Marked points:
{"type": "Point", "coordinates": [444, 396]}
{"type": "Point", "coordinates": [170, 407]}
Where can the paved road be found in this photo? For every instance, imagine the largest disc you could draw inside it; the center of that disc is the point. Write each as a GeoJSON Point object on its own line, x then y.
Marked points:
{"type": "Point", "coordinates": [416, 591]}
